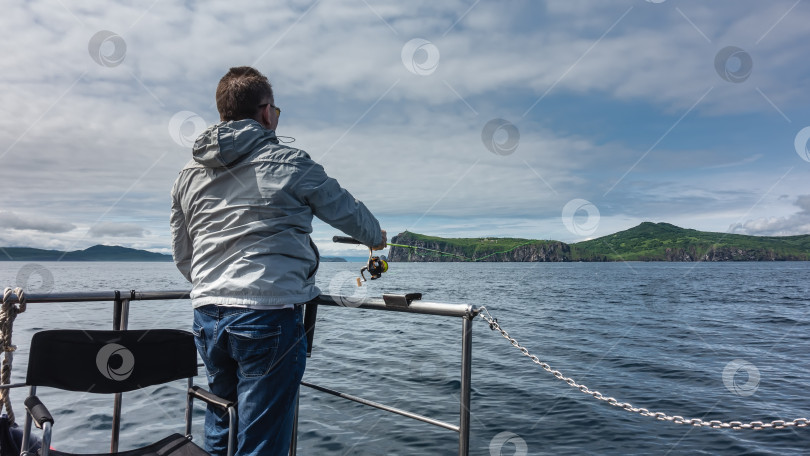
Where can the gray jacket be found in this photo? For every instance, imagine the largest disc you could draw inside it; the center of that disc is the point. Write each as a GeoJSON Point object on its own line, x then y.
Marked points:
{"type": "Point", "coordinates": [242, 214]}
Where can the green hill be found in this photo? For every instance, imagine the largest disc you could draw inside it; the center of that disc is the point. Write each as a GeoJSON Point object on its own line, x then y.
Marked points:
{"type": "Point", "coordinates": [645, 242]}
{"type": "Point", "coordinates": [667, 242]}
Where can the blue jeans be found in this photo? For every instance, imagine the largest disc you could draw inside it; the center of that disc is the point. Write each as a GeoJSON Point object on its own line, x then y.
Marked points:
{"type": "Point", "coordinates": [255, 358]}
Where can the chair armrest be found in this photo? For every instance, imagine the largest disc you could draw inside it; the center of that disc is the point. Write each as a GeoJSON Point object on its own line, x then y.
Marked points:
{"type": "Point", "coordinates": [209, 398]}
{"type": "Point", "coordinates": [38, 411]}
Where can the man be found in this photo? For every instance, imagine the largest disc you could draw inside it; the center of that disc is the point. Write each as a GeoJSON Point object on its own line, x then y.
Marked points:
{"type": "Point", "coordinates": [241, 217]}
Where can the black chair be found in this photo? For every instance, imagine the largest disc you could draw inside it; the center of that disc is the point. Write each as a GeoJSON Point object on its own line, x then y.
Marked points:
{"type": "Point", "coordinates": [115, 362]}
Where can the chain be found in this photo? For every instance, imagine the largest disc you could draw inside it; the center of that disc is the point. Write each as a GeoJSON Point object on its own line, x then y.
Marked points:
{"type": "Point", "coordinates": [777, 424]}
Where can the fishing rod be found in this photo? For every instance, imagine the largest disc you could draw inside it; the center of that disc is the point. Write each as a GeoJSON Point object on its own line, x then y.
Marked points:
{"type": "Point", "coordinates": [375, 266]}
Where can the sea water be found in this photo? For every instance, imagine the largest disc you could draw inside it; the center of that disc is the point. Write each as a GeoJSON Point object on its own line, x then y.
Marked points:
{"type": "Point", "coordinates": [724, 341]}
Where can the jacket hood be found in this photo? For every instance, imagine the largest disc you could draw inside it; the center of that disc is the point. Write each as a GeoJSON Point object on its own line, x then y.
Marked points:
{"type": "Point", "coordinates": [225, 143]}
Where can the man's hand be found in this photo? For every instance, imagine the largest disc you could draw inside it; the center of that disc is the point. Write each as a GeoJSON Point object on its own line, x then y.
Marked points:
{"type": "Point", "coordinates": [384, 242]}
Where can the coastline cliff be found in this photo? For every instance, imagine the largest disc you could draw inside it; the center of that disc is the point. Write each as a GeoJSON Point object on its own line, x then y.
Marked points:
{"type": "Point", "coordinates": [645, 242]}
{"type": "Point", "coordinates": [431, 249]}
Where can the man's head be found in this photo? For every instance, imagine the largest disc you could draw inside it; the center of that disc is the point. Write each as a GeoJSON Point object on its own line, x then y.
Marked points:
{"type": "Point", "coordinates": [245, 93]}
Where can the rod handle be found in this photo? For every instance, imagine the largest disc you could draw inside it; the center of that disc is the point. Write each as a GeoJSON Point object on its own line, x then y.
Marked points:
{"type": "Point", "coordinates": [345, 240]}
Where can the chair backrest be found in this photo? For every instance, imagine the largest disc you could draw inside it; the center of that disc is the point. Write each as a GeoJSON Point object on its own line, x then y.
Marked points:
{"type": "Point", "coordinates": [110, 361]}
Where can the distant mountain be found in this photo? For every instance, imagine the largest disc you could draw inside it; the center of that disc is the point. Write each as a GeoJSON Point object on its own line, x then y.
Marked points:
{"type": "Point", "coordinates": [95, 253]}
{"type": "Point", "coordinates": [645, 242]}
{"type": "Point", "coordinates": [332, 260]}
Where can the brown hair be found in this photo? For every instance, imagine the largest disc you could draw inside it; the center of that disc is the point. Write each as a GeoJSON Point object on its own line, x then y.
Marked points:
{"type": "Point", "coordinates": [240, 92]}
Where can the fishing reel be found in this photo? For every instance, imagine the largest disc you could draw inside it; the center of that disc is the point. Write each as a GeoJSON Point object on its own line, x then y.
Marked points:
{"type": "Point", "coordinates": [376, 265]}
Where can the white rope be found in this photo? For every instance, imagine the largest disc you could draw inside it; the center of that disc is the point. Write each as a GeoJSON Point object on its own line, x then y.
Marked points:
{"type": "Point", "coordinates": [8, 312]}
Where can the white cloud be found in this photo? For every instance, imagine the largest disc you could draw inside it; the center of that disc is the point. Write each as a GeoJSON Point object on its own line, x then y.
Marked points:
{"type": "Point", "coordinates": [39, 223]}
{"type": "Point", "coordinates": [111, 229]}
{"type": "Point", "coordinates": [797, 223]}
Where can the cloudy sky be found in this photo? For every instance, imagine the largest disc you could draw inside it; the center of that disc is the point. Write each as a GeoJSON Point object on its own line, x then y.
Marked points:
{"type": "Point", "coordinates": [557, 119]}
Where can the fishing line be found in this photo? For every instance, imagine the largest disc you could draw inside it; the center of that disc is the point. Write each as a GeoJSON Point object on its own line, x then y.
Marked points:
{"type": "Point", "coordinates": [376, 265]}
{"type": "Point", "coordinates": [464, 258]}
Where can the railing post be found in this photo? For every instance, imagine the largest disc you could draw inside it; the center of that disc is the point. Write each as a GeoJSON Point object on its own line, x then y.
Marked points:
{"type": "Point", "coordinates": [294, 440]}
{"type": "Point", "coordinates": [310, 315]}
{"type": "Point", "coordinates": [27, 427]}
{"type": "Point", "coordinates": [117, 308]}
{"type": "Point", "coordinates": [466, 378]}
{"type": "Point", "coordinates": [120, 323]}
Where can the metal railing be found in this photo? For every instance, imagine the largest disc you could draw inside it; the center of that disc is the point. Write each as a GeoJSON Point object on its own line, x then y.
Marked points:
{"type": "Point", "coordinates": [121, 303]}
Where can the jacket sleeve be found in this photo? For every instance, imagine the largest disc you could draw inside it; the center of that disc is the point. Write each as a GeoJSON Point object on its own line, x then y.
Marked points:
{"type": "Point", "coordinates": [336, 206]}
{"type": "Point", "coordinates": [181, 242]}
